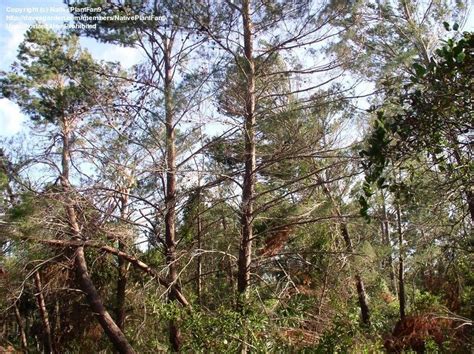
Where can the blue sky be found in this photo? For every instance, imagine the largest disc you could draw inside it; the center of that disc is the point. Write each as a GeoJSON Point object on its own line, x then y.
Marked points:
{"type": "Point", "coordinates": [13, 29]}
{"type": "Point", "coordinates": [11, 35]}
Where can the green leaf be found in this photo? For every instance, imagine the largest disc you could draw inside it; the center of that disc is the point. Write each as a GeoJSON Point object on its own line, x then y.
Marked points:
{"type": "Point", "coordinates": [446, 26]}
{"type": "Point", "coordinates": [420, 70]}
{"type": "Point", "coordinates": [460, 57]}
{"type": "Point", "coordinates": [455, 26]}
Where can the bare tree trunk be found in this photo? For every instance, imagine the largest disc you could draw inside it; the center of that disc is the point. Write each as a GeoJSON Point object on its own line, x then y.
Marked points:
{"type": "Point", "coordinates": [245, 251]}
{"type": "Point", "coordinates": [48, 342]}
{"type": "Point", "coordinates": [21, 329]}
{"type": "Point", "coordinates": [401, 271]}
{"type": "Point", "coordinates": [323, 292]}
{"type": "Point", "coordinates": [361, 293]}
{"type": "Point", "coordinates": [170, 197]}
{"type": "Point", "coordinates": [121, 289]}
{"type": "Point", "coordinates": [248, 186]}
{"type": "Point", "coordinates": [122, 270]}
{"type": "Point", "coordinates": [470, 203]}
{"type": "Point", "coordinates": [230, 272]}
{"type": "Point", "coordinates": [199, 257]}
{"type": "Point", "coordinates": [111, 329]}
{"type": "Point", "coordinates": [388, 244]}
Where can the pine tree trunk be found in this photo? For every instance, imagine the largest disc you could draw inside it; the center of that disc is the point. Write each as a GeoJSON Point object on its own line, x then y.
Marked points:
{"type": "Point", "coordinates": [48, 342]}
{"type": "Point", "coordinates": [388, 244]}
{"type": "Point", "coordinates": [245, 251]}
{"type": "Point", "coordinates": [122, 269]}
{"type": "Point", "coordinates": [323, 292]}
{"type": "Point", "coordinates": [21, 329]}
{"type": "Point", "coordinates": [121, 289]}
{"type": "Point", "coordinates": [248, 186]}
{"type": "Point", "coordinates": [230, 272]}
{"type": "Point", "coordinates": [199, 257]}
{"type": "Point", "coordinates": [360, 287]}
{"type": "Point", "coordinates": [111, 329]}
{"type": "Point", "coordinates": [401, 271]}
{"type": "Point", "coordinates": [170, 197]}
{"type": "Point", "coordinates": [361, 293]}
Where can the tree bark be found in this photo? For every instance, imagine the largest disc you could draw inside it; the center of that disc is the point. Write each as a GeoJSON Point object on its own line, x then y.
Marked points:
{"type": "Point", "coordinates": [121, 290]}
{"type": "Point", "coordinates": [199, 257]}
{"type": "Point", "coordinates": [21, 329]}
{"type": "Point", "coordinates": [401, 271]}
{"type": "Point", "coordinates": [361, 293]}
{"type": "Point", "coordinates": [48, 342]}
{"type": "Point", "coordinates": [245, 250]}
{"type": "Point", "coordinates": [323, 292]}
{"type": "Point", "coordinates": [111, 329]}
{"type": "Point", "coordinates": [170, 195]}
{"type": "Point", "coordinates": [122, 270]}
{"type": "Point", "coordinates": [470, 203]}
{"type": "Point", "coordinates": [388, 244]}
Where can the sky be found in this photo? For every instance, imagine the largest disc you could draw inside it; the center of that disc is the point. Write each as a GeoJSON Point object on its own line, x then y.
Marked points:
{"type": "Point", "coordinates": [15, 18]}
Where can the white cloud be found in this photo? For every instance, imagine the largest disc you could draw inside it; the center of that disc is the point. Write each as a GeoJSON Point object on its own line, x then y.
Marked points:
{"type": "Point", "coordinates": [11, 117]}
{"type": "Point", "coordinates": [126, 56]}
{"type": "Point", "coordinates": [11, 36]}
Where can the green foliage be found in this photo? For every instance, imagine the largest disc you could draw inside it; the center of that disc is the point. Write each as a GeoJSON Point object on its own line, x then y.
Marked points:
{"type": "Point", "coordinates": [23, 209]}
{"type": "Point", "coordinates": [53, 77]}
{"type": "Point", "coordinates": [426, 302]}
{"type": "Point", "coordinates": [3, 181]}
{"type": "Point", "coordinates": [435, 114]}
{"type": "Point", "coordinates": [376, 160]}
{"type": "Point", "coordinates": [347, 336]}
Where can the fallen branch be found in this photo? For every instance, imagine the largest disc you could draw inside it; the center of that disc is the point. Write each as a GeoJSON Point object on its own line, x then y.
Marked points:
{"type": "Point", "coordinates": [128, 257]}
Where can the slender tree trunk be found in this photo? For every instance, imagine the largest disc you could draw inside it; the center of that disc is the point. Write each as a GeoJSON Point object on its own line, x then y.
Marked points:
{"type": "Point", "coordinates": [121, 289]}
{"type": "Point", "coordinates": [230, 272]}
{"type": "Point", "coordinates": [323, 292]}
{"type": "Point", "coordinates": [199, 257]}
{"type": "Point", "coordinates": [57, 317]}
{"type": "Point", "coordinates": [48, 342]}
{"type": "Point", "coordinates": [245, 251]}
{"type": "Point", "coordinates": [111, 329]}
{"type": "Point", "coordinates": [401, 271]}
{"type": "Point", "coordinates": [248, 186]}
{"type": "Point", "coordinates": [170, 197]}
{"type": "Point", "coordinates": [388, 244]}
{"type": "Point", "coordinates": [4, 328]}
{"type": "Point", "coordinates": [470, 203]}
{"type": "Point", "coordinates": [21, 329]}
{"type": "Point", "coordinates": [361, 293]}
{"type": "Point", "coordinates": [122, 269]}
